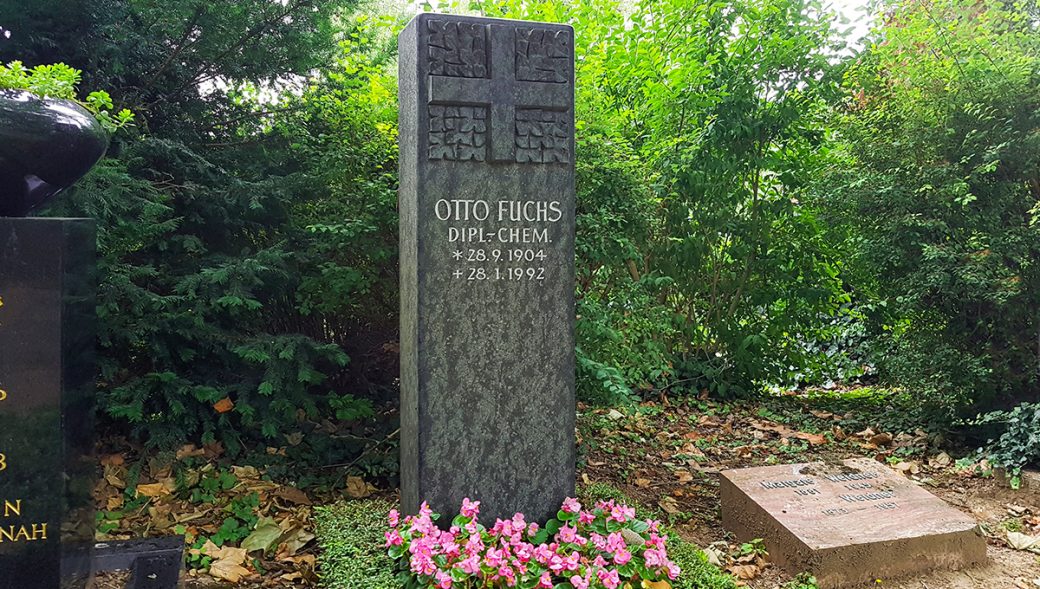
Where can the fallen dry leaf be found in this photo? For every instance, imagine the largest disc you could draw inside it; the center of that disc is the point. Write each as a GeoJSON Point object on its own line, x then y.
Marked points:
{"type": "Point", "coordinates": [224, 405]}
{"type": "Point", "coordinates": [708, 421]}
{"type": "Point", "coordinates": [189, 451]}
{"type": "Point", "coordinates": [153, 490]}
{"type": "Point", "coordinates": [226, 570]}
{"type": "Point", "coordinates": [813, 439]}
{"type": "Point", "coordinates": [882, 439]}
{"type": "Point", "coordinates": [357, 488]}
{"type": "Point", "coordinates": [264, 535]}
{"type": "Point", "coordinates": [669, 505]}
{"type": "Point", "coordinates": [113, 460]}
{"type": "Point", "coordinates": [293, 495]}
{"type": "Point", "coordinates": [294, 541]}
{"type": "Point", "coordinates": [715, 555]}
{"type": "Point", "coordinates": [744, 571]}
{"type": "Point", "coordinates": [1020, 541]}
{"type": "Point", "coordinates": [907, 468]}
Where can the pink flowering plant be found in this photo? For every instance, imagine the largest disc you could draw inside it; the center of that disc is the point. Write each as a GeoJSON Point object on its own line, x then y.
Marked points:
{"type": "Point", "coordinates": [600, 548]}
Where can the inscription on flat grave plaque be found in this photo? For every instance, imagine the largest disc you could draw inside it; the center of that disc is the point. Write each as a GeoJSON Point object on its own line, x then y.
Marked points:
{"type": "Point", "coordinates": [848, 523]}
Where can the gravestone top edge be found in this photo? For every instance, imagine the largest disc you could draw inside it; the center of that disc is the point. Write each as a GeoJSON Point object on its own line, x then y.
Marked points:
{"type": "Point", "coordinates": [487, 20]}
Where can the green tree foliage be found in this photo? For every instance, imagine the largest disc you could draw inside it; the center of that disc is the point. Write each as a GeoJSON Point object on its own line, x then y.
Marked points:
{"type": "Point", "coordinates": [745, 191]}
{"type": "Point", "coordinates": [937, 178]}
{"type": "Point", "coordinates": [224, 305]}
{"type": "Point", "coordinates": [701, 125]}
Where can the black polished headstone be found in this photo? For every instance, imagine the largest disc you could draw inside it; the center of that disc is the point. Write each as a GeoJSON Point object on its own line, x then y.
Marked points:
{"type": "Point", "coordinates": [47, 287]}
{"type": "Point", "coordinates": [487, 265]}
{"type": "Point", "coordinates": [45, 146]}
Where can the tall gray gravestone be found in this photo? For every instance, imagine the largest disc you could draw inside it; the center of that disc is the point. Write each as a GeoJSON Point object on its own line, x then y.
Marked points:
{"type": "Point", "coordinates": [487, 264]}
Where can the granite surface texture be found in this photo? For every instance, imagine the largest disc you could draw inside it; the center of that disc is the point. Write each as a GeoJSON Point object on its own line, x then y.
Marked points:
{"type": "Point", "coordinates": [46, 144]}
{"type": "Point", "coordinates": [47, 285]}
{"type": "Point", "coordinates": [487, 265]}
{"type": "Point", "coordinates": [847, 523]}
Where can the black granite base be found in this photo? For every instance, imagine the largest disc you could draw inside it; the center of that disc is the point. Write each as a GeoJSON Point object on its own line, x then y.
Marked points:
{"type": "Point", "coordinates": [47, 290]}
{"type": "Point", "coordinates": [154, 563]}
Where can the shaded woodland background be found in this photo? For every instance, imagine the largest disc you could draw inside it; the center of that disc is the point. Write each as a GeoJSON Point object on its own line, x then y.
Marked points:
{"type": "Point", "coordinates": [760, 208]}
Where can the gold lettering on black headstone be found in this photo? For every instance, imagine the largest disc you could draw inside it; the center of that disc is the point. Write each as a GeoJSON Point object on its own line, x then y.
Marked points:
{"type": "Point", "coordinates": [31, 533]}
{"type": "Point", "coordinates": [12, 508]}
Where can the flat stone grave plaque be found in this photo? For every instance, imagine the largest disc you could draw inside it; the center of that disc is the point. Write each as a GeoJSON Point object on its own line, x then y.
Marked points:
{"type": "Point", "coordinates": [848, 523]}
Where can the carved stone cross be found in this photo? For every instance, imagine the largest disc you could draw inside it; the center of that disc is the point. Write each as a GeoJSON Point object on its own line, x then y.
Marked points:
{"type": "Point", "coordinates": [527, 87]}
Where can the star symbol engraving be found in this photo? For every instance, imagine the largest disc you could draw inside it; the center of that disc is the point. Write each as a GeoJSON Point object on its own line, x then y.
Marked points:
{"type": "Point", "coordinates": [457, 254]}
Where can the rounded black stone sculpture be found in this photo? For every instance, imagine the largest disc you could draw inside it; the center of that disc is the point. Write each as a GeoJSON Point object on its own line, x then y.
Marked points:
{"type": "Point", "coordinates": [45, 146]}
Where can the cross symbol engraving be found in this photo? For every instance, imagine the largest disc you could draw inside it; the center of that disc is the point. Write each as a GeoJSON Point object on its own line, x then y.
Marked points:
{"type": "Point", "coordinates": [501, 93]}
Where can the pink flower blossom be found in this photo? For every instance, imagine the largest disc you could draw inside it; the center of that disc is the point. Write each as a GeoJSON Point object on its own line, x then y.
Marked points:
{"type": "Point", "coordinates": [470, 509]}
{"type": "Point", "coordinates": [523, 551]}
{"type": "Point", "coordinates": [504, 572]}
{"type": "Point", "coordinates": [393, 538]}
{"type": "Point", "coordinates": [616, 542]}
{"type": "Point", "coordinates": [474, 545]}
{"type": "Point", "coordinates": [655, 541]}
{"type": "Point", "coordinates": [573, 561]}
{"type": "Point", "coordinates": [494, 558]}
{"type": "Point", "coordinates": [518, 522]}
{"type": "Point", "coordinates": [504, 556]}
{"type": "Point", "coordinates": [622, 513]}
{"type": "Point", "coordinates": [542, 554]}
{"type": "Point", "coordinates": [567, 535]}
{"type": "Point", "coordinates": [673, 571]}
{"type": "Point", "coordinates": [422, 564]}
{"type": "Point", "coordinates": [424, 510]}
{"type": "Point", "coordinates": [471, 565]}
{"type": "Point", "coordinates": [610, 580]}
{"type": "Point", "coordinates": [653, 558]}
